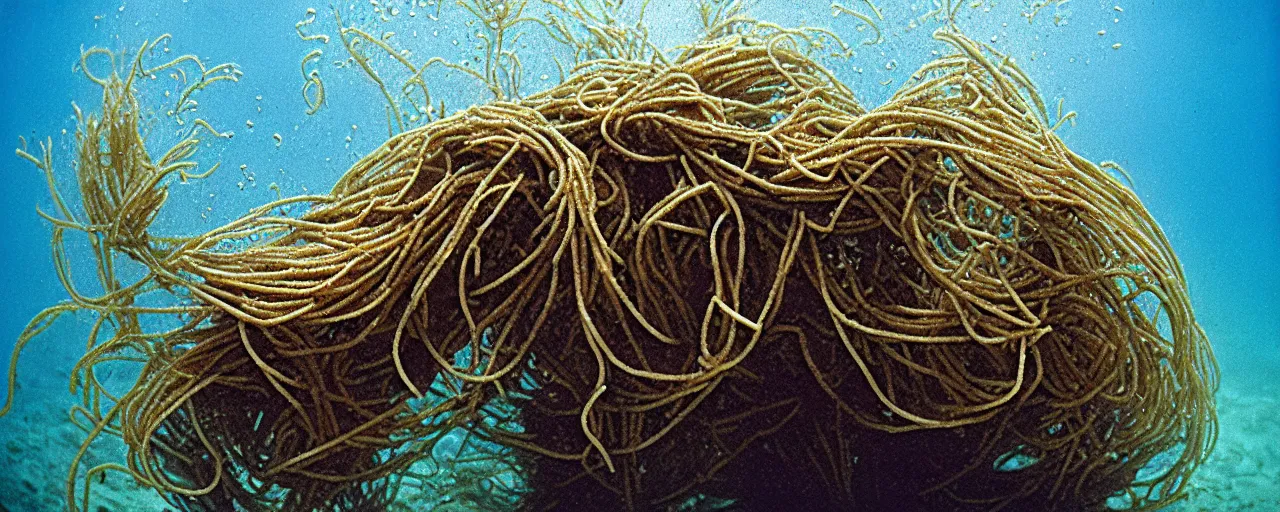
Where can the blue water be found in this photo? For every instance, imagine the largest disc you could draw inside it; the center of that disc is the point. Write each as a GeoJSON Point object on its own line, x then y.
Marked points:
{"type": "Point", "coordinates": [1189, 105]}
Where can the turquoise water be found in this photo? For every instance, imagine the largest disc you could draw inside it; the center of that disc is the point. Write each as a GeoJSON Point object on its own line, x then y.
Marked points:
{"type": "Point", "coordinates": [1188, 104]}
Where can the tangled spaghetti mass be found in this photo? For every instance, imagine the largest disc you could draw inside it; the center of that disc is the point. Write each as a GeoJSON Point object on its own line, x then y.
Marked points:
{"type": "Point", "coordinates": [657, 282]}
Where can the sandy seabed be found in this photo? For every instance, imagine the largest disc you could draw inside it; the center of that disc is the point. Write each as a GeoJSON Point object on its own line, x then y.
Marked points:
{"type": "Point", "coordinates": [1244, 471]}
{"type": "Point", "coordinates": [39, 443]}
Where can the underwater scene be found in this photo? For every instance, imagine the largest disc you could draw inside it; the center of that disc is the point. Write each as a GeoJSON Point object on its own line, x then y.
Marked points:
{"type": "Point", "coordinates": [640, 255]}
